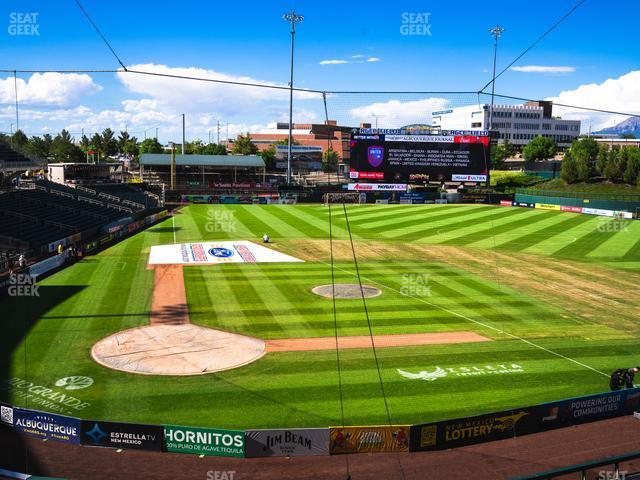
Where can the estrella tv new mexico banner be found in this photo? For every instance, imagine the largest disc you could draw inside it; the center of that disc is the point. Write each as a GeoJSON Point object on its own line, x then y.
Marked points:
{"type": "Point", "coordinates": [121, 435]}
{"type": "Point", "coordinates": [204, 441]}
{"type": "Point", "coordinates": [47, 426]}
{"type": "Point", "coordinates": [369, 439]}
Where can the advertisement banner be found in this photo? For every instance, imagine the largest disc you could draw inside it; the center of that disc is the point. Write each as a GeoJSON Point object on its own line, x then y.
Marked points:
{"type": "Point", "coordinates": [469, 178]}
{"type": "Point", "coordinates": [412, 198]}
{"type": "Point", "coordinates": [379, 187]}
{"type": "Point", "coordinates": [47, 426]}
{"type": "Point", "coordinates": [547, 206]}
{"type": "Point", "coordinates": [369, 439]}
{"type": "Point", "coordinates": [204, 441]}
{"type": "Point", "coordinates": [287, 443]}
{"type": "Point", "coordinates": [566, 208]}
{"type": "Point", "coordinates": [506, 203]}
{"type": "Point", "coordinates": [524, 204]}
{"type": "Point", "coordinates": [471, 430]}
{"type": "Point", "coordinates": [6, 414]}
{"type": "Point", "coordinates": [121, 435]}
{"type": "Point", "coordinates": [47, 265]}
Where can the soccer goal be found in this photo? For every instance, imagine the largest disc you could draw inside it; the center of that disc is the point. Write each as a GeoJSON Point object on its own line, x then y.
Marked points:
{"type": "Point", "coordinates": [351, 197]}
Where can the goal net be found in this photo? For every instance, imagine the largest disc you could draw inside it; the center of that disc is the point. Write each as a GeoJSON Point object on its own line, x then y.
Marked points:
{"type": "Point", "coordinates": [351, 197]}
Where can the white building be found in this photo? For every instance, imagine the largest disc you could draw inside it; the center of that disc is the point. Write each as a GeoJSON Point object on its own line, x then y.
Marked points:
{"type": "Point", "coordinates": [517, 123]}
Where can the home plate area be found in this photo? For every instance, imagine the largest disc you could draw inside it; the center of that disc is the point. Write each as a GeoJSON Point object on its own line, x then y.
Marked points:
{"type": "Point", "coordinates": [171, 345]}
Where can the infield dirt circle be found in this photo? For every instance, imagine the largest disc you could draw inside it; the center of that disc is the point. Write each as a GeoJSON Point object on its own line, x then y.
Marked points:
{"type": "Point", "coordinates": [346, 291]}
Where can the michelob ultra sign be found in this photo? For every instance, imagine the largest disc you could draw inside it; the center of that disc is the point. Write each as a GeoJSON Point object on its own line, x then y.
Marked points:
{"type": "Point", "coordinates": [204, 441]}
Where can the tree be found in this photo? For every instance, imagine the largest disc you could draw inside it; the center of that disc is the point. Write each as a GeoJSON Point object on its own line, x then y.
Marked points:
{"type": "Point", "coordinates": [498, 156]}
{"type": "Point", "coordinates": [244, 146]}
{"type": "Point", "coordinates": [330, 160]}
{"type": "Point", "coordinates": [569, 171]}
{"type": "Point", "coordinates": [629, 136]}
{"type": "Point", "coordinates": [96, 145]}
{"type": "Point", "coordinates": [64, 150]}
{"type": "Point", "coordinates": [19, 139]}
{"type": "Point", "coordinates": [269, 157]}
{"type": "Point", "coordinates": [215, 149]}
{"type": "Point", "coordinates": [109, 142]}
{"type": "Point", "coordinates": [602, 158]}
{"type": "Point", "coordinates": [632, 172]}
{"type": "Point", "coordinates": [540, 148]}
{"type": "Point", "coordinates": [150, 145]}
{"type": "Point", "coordinates": [612, 170]}
{"type": "Point", "coordinates": [585, 151]}
{"type": "Point", "coordinates": [39, 147]}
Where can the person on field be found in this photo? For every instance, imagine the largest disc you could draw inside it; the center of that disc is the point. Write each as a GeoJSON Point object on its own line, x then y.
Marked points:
{"type": "Point", "coordinates": [623, 378]}
{"type": "Point", "coordinates": [265, 238]}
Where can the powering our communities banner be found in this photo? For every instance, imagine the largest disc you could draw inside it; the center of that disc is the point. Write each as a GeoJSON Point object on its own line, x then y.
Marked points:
{"type": "Point", "coordinates": [204, 441]}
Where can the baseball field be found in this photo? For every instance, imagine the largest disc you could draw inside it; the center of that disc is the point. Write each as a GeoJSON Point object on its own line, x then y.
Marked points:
{"type": "Point", "coordinates": [523, 305]}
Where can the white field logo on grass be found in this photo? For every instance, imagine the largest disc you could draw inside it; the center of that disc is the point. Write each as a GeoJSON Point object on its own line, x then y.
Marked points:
{"type": "Point", "coordinates": [54, 400]}
{"type": "Point", "coordinates": [439, 372]}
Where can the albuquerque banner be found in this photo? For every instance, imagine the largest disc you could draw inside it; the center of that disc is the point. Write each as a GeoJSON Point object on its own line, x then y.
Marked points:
{"type": "Point", "coordinates": [287, 443]}
{"type": "Point", "coordinates": [204, 441]}
{"type": "Point", "coordinates": [47, 426]}
{"type": "Point", "coordinates": [369, 439]}
{"type": "Point", "coordinates": [121, 435]}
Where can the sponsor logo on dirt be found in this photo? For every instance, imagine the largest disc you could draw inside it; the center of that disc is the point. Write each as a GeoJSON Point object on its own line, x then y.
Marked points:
{"type": "Point", "coordinates": [439, 372]}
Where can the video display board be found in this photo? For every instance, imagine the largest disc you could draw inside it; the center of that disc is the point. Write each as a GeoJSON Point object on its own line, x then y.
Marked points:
{"type": "Point", "coordinates": [395, 155]}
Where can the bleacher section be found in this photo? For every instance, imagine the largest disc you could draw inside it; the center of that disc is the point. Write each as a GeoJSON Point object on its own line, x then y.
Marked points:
{"type": "Point", "coordinates": [128, 193]}
{"type": "Point", "coordinates": [12, 160]}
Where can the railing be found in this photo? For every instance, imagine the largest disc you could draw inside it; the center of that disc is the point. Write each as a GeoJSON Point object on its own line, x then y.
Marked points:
{"type": "Point", "coordinates": [90, 200]}
{"type": "Point", "coordinates": [625, 197]}
{"type": "Point", "coordinates": [583, 468]}
{"type": "Point", "coordinates": [61, 193]}
{"type": "Point", "coordinates": [85, 189]}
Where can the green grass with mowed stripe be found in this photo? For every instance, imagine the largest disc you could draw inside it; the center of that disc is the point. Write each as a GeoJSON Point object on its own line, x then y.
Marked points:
{"type": "Point", "coordinates": [551, 290]}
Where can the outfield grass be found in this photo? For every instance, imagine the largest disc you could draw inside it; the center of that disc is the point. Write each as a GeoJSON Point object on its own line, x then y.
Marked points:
{"type": "Point", "coordinates": [554, 291]}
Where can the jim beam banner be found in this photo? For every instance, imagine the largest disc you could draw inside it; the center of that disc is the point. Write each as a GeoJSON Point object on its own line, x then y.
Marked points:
{"type": "Point", "coordinates": [468, 431]}
{"type": "Point", "coordinates": [121, 435]}
{"type": "Point", "coordinates": [47, 426]}
{"type": "Point", "coordinates": [369, 439]}
{"type": "Point", "coordinates": [204, 441]}
{"type": "Point", "coordinates": [287, 443]}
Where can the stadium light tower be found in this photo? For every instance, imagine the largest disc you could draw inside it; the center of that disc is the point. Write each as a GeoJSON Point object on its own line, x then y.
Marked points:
{"type": "Point", "coordinates": [496, 32]}
{"type": "Point", "coordinates": [292, 18]}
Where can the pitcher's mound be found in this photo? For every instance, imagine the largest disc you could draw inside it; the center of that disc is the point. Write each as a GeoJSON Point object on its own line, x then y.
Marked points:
{"type": "Point", "coordinates": [346, 290]}
{"type": "Point", "coordinates": [176, 350]}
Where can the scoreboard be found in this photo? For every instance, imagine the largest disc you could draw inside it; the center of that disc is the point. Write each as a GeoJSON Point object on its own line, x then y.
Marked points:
{"type": "Point", "coordinates": [395, 155]}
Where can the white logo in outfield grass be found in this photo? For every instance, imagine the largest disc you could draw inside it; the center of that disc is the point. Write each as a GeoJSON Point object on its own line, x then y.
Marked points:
{"type": "Point", "coordinates": [499, 369]}
{"type": "Point", "coordinates": [204, 441]}
{"type": "Point", "coordinates": [74, 383]}
{"type": "Point", "coordinates": [45, 398]}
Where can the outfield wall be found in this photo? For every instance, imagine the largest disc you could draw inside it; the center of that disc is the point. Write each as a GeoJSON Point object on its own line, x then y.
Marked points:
{"type": "Point", "coordinates": [630, 203]}
{"type": "Point", "coordinates": [322, 441]}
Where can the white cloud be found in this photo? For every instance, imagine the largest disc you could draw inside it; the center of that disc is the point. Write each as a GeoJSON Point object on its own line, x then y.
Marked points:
{"type": "Point", "coordinates": [358, 56]}
{"type": "Point", "coordinates": [53, 89]}
{"type": "Point", "coordinates": [333, 62]}
{"type": "Point", "coordinates": [615, 94]}
{"type": "Point", "coordinates": [394, 113]}
{"type": "Point", "coordinates": [373, 59]}
{"type": "Point", "coordinates": [544, 69]}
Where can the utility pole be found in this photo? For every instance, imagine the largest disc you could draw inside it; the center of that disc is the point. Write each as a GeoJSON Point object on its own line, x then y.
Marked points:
{"type": "Point", "coordinates": [496, 33]}
{"type": "Point", "coordinates": [173, 165]}
{"type": "Point", "coordinates": [218, 131]}
{"type": "Point", "coordinates": [292, 18]}
{"type": "Point", "coordinates": [183, 136]}
{"type": "Point", "coordinates": [156, 133]}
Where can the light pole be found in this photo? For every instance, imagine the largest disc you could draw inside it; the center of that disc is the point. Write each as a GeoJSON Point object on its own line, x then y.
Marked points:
{"type": "Point", "coordinates": [496, 33]}
{"type": "Point", "coordinates": [292, 18]}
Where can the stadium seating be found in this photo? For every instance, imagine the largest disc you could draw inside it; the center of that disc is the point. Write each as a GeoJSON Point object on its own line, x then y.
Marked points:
{"type": "Point", "coordinates": [11, 159]}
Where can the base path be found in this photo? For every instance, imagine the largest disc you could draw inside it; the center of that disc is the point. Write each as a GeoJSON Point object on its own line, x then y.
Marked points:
{"type": "Point", "coordinates": [380, 341]}
{"type": "Point", "coordinates": [169, 304]}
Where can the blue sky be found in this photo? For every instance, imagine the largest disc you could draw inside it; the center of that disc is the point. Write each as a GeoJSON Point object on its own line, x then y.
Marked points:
{"type": "Point", "coordinates": [250, 39]}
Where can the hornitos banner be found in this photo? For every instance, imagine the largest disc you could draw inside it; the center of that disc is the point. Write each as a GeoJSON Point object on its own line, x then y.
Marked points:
{"type": "Point", "coordinates": [287, 443]}
{"type": "Point", "coordinates": [369, 439]}
{"type": "Point", "coordinates": [204, 441]}
{"type": "Point", "coordinates": [216, 253]}
{"type": "Point", "coordinates": [47, 426]}
{"type": "Point", "coordinates": [121, 435]}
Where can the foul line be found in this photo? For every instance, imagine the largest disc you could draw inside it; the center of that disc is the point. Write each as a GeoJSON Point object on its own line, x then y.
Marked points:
{"type": "Point", "coordinates": [477, 322]}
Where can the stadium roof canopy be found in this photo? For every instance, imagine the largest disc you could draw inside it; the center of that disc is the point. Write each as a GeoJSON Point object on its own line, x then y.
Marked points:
{"type": "Point", "coordinates": [228, 161]}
